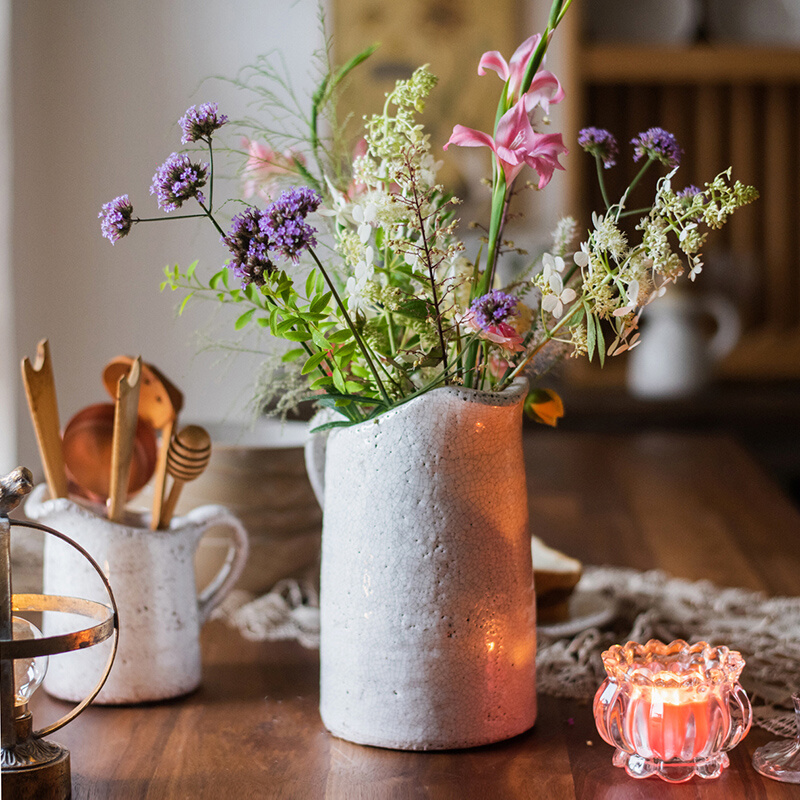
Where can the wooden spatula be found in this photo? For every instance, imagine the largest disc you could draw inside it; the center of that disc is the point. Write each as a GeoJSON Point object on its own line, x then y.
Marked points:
{"type": "Point", "coordinates": [126, 417]}
{"type": "Point", "coordinates": [40, 390]}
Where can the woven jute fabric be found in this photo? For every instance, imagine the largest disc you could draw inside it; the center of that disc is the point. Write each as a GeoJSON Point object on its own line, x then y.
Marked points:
{"type": "Point", "coordinates": [653, 605]}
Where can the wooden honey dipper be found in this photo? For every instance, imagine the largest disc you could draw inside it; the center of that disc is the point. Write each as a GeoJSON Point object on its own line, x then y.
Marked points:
{"type": "Point", "coordinates": [188, 456]}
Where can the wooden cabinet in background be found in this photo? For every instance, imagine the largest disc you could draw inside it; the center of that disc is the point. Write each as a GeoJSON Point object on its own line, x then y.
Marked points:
{"type": "Point", "coordinates": [735, 105]}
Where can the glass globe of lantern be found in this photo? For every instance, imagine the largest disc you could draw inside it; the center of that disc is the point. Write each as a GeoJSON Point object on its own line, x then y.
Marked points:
{"type": "Point", "coordinates": [28, 672]}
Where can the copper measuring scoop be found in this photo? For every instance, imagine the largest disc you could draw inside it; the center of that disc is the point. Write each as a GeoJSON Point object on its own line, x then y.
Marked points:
{"type": "Point", "coordinates": [88, 444]}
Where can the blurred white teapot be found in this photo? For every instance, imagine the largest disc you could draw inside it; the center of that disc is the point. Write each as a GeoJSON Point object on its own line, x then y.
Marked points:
{"type": "Point", "coordinates": [675, 357]}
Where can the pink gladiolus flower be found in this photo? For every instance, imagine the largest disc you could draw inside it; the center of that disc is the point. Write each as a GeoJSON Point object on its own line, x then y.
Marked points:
{"type": "Point", "coordinates": [263, 166]}
{"type": "Point", "coordinates": [516, 144]}
{"type": "Point", "coordinates": [544, 88]}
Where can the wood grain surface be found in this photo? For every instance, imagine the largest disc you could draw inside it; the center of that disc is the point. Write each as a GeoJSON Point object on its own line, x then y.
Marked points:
{"type": "Point", "coordinates": [695, 506]}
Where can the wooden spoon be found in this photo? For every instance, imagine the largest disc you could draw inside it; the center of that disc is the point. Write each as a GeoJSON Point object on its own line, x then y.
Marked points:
{"type": "Point", "coordinates": [40, 390]}
{"type": "Point", "coordinates": [160, 402]}
{"type": "Point", "coordinates": [126, 416]}
{"type": "Point", "coordinates": [188, 456]}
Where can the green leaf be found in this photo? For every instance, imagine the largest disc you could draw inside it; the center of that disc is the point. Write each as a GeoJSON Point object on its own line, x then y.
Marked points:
{"type": "Point", "coordinates": [319, 284]}
{"type": "Point", "coordinates": [340, 336]}
{"type": "Point", "coordinates": [414, 308]}
{"type": "Point", "coordinates": [253, 294]}
{"type": "Point", "coordinates": [296, 336]}
{"type": "Point", "coordinates": [322, 383]}
{"type": "Point", "coordinates": [352, 386]}
{"type": "Point", "coordinates": [217, 278]}
{"type": "Point", "coordinates": [319, 339]}
{"type": "Point", "coordinates": [273, 320]}
{"type": "Point", "coordinates": [350, 65]}
{"type": "Point", "coordinates": [310, 282]}
{"type": "Point", "coordinates": [344, 354]}
{"type": "Point", "coordinates": [359, 371]}
{"type": "Point", "coordinates": [601, 344]}
{"type": "Point", "coordinates": [244, 319]}
{"type": "Point", "coordinates": [338, 381]}
{"type": "Point", "coordinates": [321, 302]}
{"type": "Point", "coordinates": [328, 425]}
{"type": "Point", "coordinates": [292, 355]}
{"type": "Point", "coordinates": [591, 335]}
{"type": "Point", "coordinates": [185, 301]}
{"type": "Point", "coordinates": [262, 322]}
{"type": "Point", "coordinates": [312, 363]}
{"type": "Point", "coordinates": [163, 285]}
{"type": "Point", "coordinates": [342, 401]}
{"type": "Point", "coordinates": [284, 326]}
{"type": "Point", "coordinates": [191, 268]}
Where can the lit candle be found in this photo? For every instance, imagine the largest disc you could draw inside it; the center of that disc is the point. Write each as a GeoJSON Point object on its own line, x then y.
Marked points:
{"type": "Point", "coordinates": [672, 710]}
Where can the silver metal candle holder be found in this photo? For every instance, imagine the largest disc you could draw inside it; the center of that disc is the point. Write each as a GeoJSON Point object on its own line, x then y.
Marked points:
{"type": "Point", "coordinates": [33, 767]}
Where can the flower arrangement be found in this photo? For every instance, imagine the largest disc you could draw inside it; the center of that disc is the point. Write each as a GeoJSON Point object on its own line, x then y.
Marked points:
{"type": "Point", "coordinates": [400, 307]}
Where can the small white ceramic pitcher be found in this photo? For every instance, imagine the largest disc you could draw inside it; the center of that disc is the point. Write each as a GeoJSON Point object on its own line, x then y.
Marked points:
{"type": "Point", "coordinates": [153, 579]}
{"type": "Point", "coordinates": [675, 358]}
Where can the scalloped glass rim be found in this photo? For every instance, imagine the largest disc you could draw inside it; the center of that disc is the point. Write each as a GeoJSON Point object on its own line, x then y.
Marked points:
{"type": "Point", "coordinates": [677, 664]}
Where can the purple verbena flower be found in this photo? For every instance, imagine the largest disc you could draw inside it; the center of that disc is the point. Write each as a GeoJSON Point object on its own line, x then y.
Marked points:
{"type": "Point", "coordinates": [493, 308]}
{"type": "Point", "coordinates": [178, 179]}
{"type": "Point", "coordinates": [117, 216]}
{"type": "Point", "coordinates": [658, 144]}
{"type": "Point", "coordinates": [284, 221]}
{"type": "Point", "coordinates": [688, 193]}
{"type": "Point", "coordinates": [199, 122]}
{"type": "Point", "coordinates": [599, 143]}
{"type": "Point", "coordinates": [249, 245]}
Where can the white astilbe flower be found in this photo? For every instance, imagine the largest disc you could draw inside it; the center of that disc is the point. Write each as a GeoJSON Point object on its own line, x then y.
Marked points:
{"type": "Point", "coordinates": [581, 257]}
{"type": "Point", "coordinates": [697, 267]}
{"type": "Point", "coordinates": [357, 283]}
{"type": "Point", "coordinates": [632, 293]}
{"type": "Point", "coordinates": [341, 209]}
{"type": "Point", "coordinates": [608, 238]}
{"type": "Point", "coordinates": [364, 216]}
{"type": "Point", "coordinates": [551, 265]}
{"type": "Point", "coordinates": [555, 301]}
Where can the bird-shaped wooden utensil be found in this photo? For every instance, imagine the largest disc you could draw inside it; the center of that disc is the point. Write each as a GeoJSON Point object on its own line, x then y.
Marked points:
{"type": "Point", "coordinates": [126, 417]}
{"type": "Point", "coordinates": [188, 456]}
{"type": "Point", "coordinates": [160, 403]}
{"type": "Point", "coordinates": [40, 390]}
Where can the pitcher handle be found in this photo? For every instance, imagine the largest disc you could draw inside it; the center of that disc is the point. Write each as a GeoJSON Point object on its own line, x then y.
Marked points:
{"type": "Point", "coordinates": [315, 449]}
{"type": "Point", "coordinates": [217, 590]}
{"type": "Point", "coordinates": [729, 327]}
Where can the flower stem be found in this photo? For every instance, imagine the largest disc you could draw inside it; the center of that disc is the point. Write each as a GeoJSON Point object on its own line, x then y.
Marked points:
{"type": "Point", "coordinates": [211, 217]}
{"type": "Point", "coordinates": [638, 177]}
{"type": "Point", "coordinates": [602, 182]}
{"type": "Point", "coordinates": [362, 345]}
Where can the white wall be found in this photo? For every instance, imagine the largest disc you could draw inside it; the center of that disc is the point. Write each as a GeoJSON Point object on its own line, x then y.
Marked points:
{"type": "Point", "coordinates": [98, 86]}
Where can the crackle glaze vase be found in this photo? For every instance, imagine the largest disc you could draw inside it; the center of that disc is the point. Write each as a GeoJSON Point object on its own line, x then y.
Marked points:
{"type": "Point", "coordinates": [428, 628]}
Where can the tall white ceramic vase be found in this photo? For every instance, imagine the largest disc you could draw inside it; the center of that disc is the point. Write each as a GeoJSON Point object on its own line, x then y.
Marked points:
{"type": "Point", "coordinates": [428, 636]}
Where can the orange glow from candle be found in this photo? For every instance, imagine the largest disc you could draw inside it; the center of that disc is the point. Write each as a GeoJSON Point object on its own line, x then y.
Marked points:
{"type": "Point", "coordinates": [678, 722]}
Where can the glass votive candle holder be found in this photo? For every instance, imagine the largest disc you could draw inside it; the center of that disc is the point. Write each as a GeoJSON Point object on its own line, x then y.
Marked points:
{"type": "Point", "coordinates": [672, 710]}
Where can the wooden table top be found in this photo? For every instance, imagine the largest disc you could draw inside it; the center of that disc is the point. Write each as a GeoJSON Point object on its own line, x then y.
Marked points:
{"type": "Point", "coordinates": [697, 507]}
